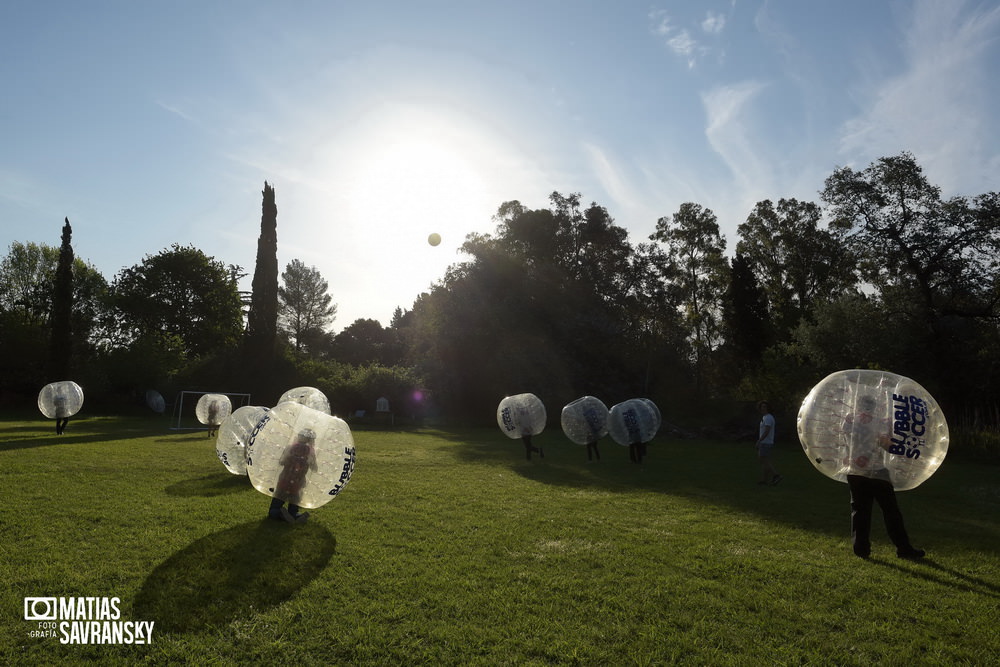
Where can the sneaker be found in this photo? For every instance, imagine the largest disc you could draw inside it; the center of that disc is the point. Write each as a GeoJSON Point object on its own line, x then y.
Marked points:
{"type": "Point", "coordinates": [777, 478]}
{"type": "Point", "coordinates": [286, 515]}
{"type": "Point", "coordinates": [912, 554]}
{"type": "Point", "coordinates": [302, 517]}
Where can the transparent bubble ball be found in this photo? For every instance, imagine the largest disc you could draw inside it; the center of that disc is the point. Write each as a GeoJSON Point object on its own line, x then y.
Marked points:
{"type": "Point", "coordinates": [521, 415]}
{"type": "Point", "coordinates": [234, 434]}
{"type": "Point", "coordinates": [212, 409]}
{"type": "Point", "coordinates": [873, 424]}
{"type": "Point", "coordinates": [155, 402]}
{"type": "Point", "coordinates": [633, 421]}
{"type": "Point", "coordinates": [585, 420]}
{"type": "Point", "coordinates": [308, 396]}
{"type": "Point", "coordinates": [60, 400]}
{"type": "Point", "coordinates": [300, 455]}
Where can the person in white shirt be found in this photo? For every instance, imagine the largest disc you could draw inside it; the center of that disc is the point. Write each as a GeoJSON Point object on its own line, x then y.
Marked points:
{"type": "Point", "coordinates": [765, 444]}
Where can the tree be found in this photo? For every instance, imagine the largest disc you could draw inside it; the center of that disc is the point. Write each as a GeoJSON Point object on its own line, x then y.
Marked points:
{"type": "Point", "coordinates": [179, 293]}
{"type": "Point", "coordinates": [934, 262]}
{"type": "Point", "coordinates": [262, 320]}
{"type": "Point", "coordinates": [556, 302]}
{"type": "Point", "coordinates": [694, 250]}
{"type": "Point", "coordinates": [747, 329]}
{"type": "Point", "coordinates": [795, 261]}
{"type": "Point", "coordinates": [304, 306]}
{"type": "Point", "coordinates": [27, 295]}
{"type": "Point", "coordinates": [948, 251]}
{"type": "Point", "coordinates": [62, 309]}
{"type": "Point", "coordinates": [365, 341]}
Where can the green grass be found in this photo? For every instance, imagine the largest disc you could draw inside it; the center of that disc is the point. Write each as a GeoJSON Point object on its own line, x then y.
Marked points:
{"type": "Point", "coordinates": [449, 548]}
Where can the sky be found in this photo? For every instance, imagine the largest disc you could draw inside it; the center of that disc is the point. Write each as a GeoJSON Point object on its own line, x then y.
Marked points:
{"type": "Point", "coordinates": [149, 123]}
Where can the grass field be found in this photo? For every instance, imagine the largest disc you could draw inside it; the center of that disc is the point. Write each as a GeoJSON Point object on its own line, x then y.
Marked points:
{"type": "Point", "coordinates": [447, 547]}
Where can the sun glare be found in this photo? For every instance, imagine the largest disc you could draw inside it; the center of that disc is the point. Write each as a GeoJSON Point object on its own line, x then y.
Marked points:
{"type": "Point", "coordinates": [414, 180]}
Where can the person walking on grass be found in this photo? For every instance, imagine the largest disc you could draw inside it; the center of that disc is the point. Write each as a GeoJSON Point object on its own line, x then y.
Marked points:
{"type": "Point", "coordinates": [869, 481]}
{"type": "Point", "coordinates": [765, 445]}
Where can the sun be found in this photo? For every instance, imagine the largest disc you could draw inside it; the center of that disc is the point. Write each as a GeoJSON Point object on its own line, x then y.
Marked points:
{"type": "Point", "coordinates": [417, 178]}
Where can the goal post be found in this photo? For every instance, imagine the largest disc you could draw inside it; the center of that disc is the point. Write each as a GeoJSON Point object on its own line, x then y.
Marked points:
{"type": "Point", "coordinates": [184, 418]}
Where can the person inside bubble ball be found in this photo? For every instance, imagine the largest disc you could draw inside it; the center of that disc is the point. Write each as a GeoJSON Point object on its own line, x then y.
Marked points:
{"type": "Point", "coordinates": [869, 481]}
{"type": "Point", "coordinates": [296, 461]}
{"type": "Point", "coordinates": [213, 418]}
{"type": "Point", "coordinates": [59, 402]}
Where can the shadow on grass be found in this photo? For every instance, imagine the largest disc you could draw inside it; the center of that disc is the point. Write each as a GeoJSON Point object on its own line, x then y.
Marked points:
{"type": "Point", "coordinates": [233, 573]}
{"type": "Point", "coordinates": [42, 434]}
{"type": "Point", "coordinates": [933, 571]}
{"type": "Point", "coordinates": [209, 486]}
{"type": "Point", "coordinates": [725, 474]}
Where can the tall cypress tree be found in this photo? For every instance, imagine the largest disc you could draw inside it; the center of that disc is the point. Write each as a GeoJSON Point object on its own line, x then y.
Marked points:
{"type": "Point", "coordinates": [262, 321]}
{"type": "Point", "coordinates": [61, 340]}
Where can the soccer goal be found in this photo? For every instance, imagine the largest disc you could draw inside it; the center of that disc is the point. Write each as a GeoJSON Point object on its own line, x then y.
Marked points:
{"type": "Point", "coordinates": [184, 418]}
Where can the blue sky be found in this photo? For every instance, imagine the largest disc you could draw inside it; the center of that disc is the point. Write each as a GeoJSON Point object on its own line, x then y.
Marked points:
{"type": "Point", "coordinates": [150, 123]}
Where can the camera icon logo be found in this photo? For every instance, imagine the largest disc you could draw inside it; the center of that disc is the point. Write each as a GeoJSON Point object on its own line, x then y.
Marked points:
{"type": "Point", "coordinates": [40, 609]}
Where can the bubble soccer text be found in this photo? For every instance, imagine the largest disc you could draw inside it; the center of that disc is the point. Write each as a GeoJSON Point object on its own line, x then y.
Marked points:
{"type": "Point", "coordinates": [909, 425]}
{"type": "Point", "coordinates": [346, 472]}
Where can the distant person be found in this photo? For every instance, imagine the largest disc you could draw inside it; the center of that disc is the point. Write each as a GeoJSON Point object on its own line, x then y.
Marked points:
{"type": "Point", "coordinates": [296, 461]}
{"type": "Point", "coordinates": [213, 418]}
{"type": "Point", "coordinates": [765, 446]}
{"type": "Point", "coordinates": [869, 481]}
{"type": "Point", "coordinates": [59, 402]}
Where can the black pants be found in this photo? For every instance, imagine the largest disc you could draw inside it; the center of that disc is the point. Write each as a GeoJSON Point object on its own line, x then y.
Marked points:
{"type": "Point", "coordinates": [592, 450]}
{"type": "Point", "coordinates": [864, 493]}
{"type": "Point", "coordinates": [277, 503]}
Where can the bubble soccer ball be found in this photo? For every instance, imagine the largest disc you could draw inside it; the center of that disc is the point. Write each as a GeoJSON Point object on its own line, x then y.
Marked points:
{"type": "Point", "coordinates": [585, 420]}
{"type": "Point", "coordinates": [300, 455]}
{"type": "Point", "coordinates": [234, 433]}
{"type": "Point", "coordinates": [657, 417]}
{"type": "Point", "coordinates": [874, 424]}
{"type": "Point", "coordinates": [155, 401]}
{"type": "Point", "coordinates": [521, 415]}
{"type": "Point", "coordinates": [212, 409]}
{"type": "Point", "coordinates": [60, 400]}
{"type": "Point", "coordinates": [633, 421]}
{"type": "Point", "coordinates": [308, 396]}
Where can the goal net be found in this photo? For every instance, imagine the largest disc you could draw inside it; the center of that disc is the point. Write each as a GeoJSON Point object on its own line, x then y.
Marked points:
{"type": "Point", "coordinates": [184, 418]}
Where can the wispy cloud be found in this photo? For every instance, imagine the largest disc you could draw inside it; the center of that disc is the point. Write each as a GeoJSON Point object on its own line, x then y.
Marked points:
{"type": "Point", "coordinates": [728, 129]}
{"type": "Point", "coordinates": [714, 23]}
{"type": "Point", "coordinates": [176, 110]}
{"type": "Point", "coordinates": [680, 40]}
{"type": "Point", "coordinates": [938, 106]}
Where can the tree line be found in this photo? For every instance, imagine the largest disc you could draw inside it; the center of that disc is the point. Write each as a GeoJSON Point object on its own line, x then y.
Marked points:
{"type": "Point", "coordinates": [883, 273]}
